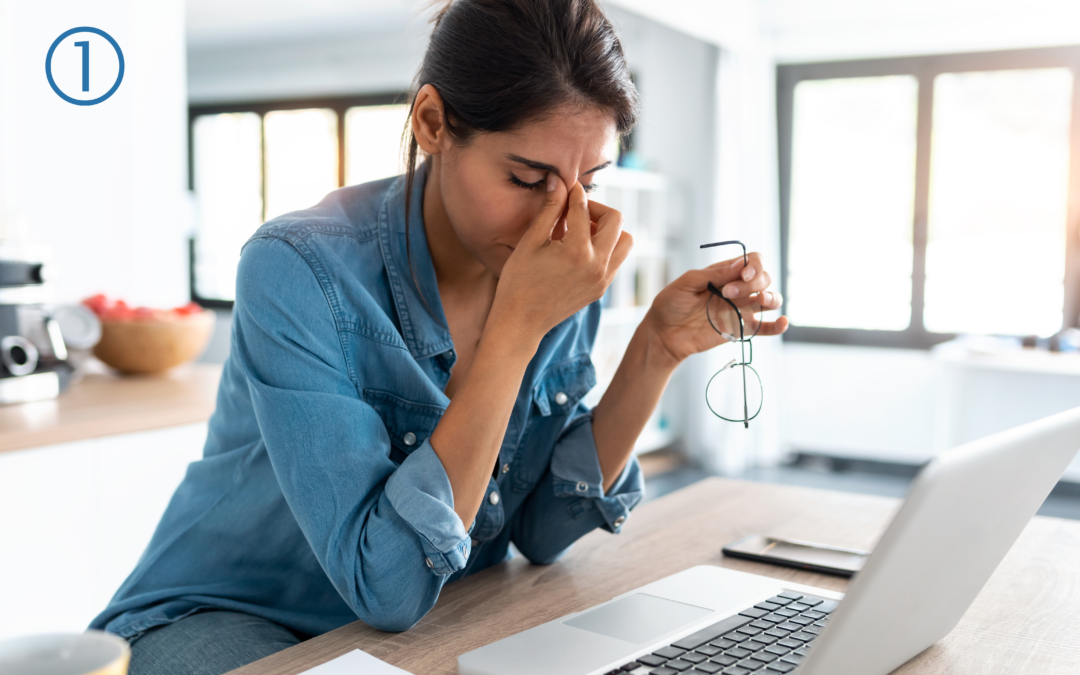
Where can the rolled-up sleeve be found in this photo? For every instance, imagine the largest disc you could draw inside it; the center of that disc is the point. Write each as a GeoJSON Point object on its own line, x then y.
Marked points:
{"type": "Point", "coordinates": [570, 501]}
{"type": "Point", "coordinates": [385, 534]}
{"type": "Point", "coordinates": [421, 493]}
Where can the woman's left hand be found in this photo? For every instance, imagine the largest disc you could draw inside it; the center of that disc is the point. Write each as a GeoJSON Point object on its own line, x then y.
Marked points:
{"type": "Point", "coordinates": [677, 315]}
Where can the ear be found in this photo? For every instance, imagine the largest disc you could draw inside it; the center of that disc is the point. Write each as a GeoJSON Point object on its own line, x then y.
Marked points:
{"type": "Point", "coordinates": [428, 125]}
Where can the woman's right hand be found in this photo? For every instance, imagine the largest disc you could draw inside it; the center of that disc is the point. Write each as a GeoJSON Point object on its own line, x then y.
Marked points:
{"type": "Point", "coordinates": [546, 280]}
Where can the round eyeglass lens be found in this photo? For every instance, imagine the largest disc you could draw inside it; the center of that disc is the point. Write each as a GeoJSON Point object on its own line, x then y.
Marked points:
{"type": "Point", "coordinates": [730, 387]}
{"type": "Point", "coordinates": [725, 321]}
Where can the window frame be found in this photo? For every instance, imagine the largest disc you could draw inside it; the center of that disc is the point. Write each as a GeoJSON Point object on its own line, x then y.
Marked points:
{"type": "Point", "coordinates": [924, 69]}
{"type": "Point", "coordinates": [339, 104]}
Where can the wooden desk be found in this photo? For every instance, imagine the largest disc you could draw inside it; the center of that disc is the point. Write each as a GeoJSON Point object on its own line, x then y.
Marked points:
{"type": "Point", "coordinates": [1025, 621]}
{"type": "Point", "coordinates": [103, 404]}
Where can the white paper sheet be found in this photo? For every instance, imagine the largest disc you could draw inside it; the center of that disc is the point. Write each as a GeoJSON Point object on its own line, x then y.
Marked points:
{"type": "Point", "coordinates": [356, 662]}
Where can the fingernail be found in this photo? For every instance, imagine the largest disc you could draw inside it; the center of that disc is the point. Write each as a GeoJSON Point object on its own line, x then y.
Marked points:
{"type": "Point", "coordinates": [552, 182]}
{"type": "Point", "coordinates": [731, 291]}
{"type": "Point", "coordinates": [748, 273]}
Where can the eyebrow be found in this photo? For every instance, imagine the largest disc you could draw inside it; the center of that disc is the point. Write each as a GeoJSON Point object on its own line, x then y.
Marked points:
{"type": "Point", "coordinates": [547, 167]}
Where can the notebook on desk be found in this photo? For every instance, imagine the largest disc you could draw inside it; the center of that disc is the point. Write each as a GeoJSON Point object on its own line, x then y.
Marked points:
{"type": "Point", "coordinates": [962, 514]}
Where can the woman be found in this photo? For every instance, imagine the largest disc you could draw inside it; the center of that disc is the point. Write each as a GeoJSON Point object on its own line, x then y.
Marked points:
{"type": "Point", "coordinates": [402, 399]}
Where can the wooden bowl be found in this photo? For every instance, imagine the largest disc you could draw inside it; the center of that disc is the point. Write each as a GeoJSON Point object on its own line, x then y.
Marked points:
{"type": "Point", "coordinates": [154, 345]}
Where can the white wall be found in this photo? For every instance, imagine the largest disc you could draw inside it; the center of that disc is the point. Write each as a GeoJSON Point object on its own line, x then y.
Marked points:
{"type": "Point", "coordinates": [823, 30]}
{"type": "Point", "coordinates": [340, 63]}
{"type": "Point", "coordinates": [102, 185]}
{"type": "Point", "coordinates": [210, 21]}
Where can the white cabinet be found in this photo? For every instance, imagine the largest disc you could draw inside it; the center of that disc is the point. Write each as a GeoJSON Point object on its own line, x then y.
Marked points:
{"type": "Point", "coordinates": [905, 405]}
{"type": "Point", "coordinates": [75, 517]}
{"type": "Point", "coordinates": [980, 394]}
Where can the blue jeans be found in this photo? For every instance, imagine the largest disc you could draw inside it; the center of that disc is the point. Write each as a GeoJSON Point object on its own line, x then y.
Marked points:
{"type": "Point", "coordinates": [208, 643]}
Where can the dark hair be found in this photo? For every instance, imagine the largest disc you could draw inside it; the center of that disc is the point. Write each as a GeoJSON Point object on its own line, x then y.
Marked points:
{"type": "Point", "coordinates": [499, 64]}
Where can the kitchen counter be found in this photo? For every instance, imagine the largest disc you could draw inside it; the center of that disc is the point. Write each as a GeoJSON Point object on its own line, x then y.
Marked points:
{"type": "Point", "coordinates": [104, 404]}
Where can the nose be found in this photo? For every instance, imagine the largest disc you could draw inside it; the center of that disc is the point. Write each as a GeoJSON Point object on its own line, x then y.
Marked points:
{"type": "Point", "coordinates": [575, 179]}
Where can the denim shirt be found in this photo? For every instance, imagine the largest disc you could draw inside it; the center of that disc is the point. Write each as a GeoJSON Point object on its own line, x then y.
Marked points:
{"type": "Point", "coordinates": [319, 498]}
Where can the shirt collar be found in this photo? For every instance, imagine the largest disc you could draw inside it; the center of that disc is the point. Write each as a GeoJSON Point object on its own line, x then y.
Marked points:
{"type": "Point", "coordinates": [423, 325]}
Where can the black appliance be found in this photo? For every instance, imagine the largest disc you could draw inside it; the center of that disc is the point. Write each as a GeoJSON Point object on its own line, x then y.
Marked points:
{"type": "Point", "coordinates": [33, 357]}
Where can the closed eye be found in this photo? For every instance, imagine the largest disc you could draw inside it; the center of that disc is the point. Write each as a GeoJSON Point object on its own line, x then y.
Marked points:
{"type": "Point", "coordinates": [540, 183]}
{"type": "Point", "coordinates": [528, 186]}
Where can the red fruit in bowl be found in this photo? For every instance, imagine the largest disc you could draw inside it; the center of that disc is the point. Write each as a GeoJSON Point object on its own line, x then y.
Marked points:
{"type": "Point", "coordinates": [153, 346]}
{"type": "Point", "coordinates": [118, 310]}
{"type": "Point", "coordinates": [98, 304]}
{"type": "Point", "coordinates": [188, 309]}
{"type": "Point", "coordinates": [146, 339]}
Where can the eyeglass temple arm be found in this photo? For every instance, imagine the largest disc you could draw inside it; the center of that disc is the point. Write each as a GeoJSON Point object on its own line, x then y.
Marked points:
{"type": "Point", "coordinates": [729, 243]}
{"type": "Point", "coordinates": [742, 349]}
{"type": "Point", "coordinates": [715, 291]}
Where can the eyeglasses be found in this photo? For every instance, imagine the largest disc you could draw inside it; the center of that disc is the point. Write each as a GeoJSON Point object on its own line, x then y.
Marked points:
{"type": "Point", "coordinates": [722, 393]}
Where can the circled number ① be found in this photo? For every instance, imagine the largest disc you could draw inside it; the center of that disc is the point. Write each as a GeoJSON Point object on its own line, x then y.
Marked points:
{"type": "Point", "coordinates": [84, 47]}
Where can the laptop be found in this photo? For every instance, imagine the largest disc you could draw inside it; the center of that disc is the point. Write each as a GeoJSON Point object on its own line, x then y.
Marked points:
{"type": "Point", "coordinates": [962, 514]}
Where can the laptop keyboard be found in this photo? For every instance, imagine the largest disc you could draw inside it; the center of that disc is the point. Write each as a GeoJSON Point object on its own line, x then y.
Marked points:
{"type": "Point", "coordinates": [769, 638]}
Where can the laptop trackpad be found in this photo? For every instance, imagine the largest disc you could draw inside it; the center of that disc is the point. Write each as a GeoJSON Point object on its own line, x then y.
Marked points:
{"type": "Point", "coordinates": [638, 618]}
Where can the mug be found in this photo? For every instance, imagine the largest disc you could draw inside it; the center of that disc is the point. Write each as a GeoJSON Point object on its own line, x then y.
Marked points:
{"type": "Point", "coordinates": [89, 653]}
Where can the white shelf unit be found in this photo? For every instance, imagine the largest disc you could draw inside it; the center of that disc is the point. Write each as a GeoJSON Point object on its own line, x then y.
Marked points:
{"type": "Point", "coordinates": [641, 196]}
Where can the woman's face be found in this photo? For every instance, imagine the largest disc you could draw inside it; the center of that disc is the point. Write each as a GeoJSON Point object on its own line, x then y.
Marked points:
{"type": "Point", "coordinates": [493, 187]}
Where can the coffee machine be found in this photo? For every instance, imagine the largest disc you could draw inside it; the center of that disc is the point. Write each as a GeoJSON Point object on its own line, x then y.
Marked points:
{"type": "Point", "coordinates": [33, 356]}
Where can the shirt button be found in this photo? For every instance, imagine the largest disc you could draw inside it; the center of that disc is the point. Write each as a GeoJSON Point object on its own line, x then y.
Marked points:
{"type": "Point", "coordinates": [493, 498]}
{"type": "Point", "coordinates": [582, 486]}
{"type": "Point", "coordinates": [430, 564]}
{"type": "Point", "coordinates": [561, 398]}
{"type": "Point", "coordinates": [506, 467]}
{"type": "Point", "coordinates": [620, 520]}
{"type": "Point", "coordinates": [409, 438]}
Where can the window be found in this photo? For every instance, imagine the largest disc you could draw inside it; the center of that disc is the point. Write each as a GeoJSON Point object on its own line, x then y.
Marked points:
{"type": "Point", "coordinates": [250, 163]}
{"type": "Point", "coordinates": [929, 196]}
{"type": "Point", "coordinates": [854, 163]}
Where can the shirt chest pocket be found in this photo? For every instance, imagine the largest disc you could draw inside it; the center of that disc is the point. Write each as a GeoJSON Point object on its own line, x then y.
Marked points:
{"type": "Point", "coordinates": [555, 395]}
{"type": "Point", "coordinates": [408, 423]}
{"type": "Point", "coordinates": [562, 385]}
